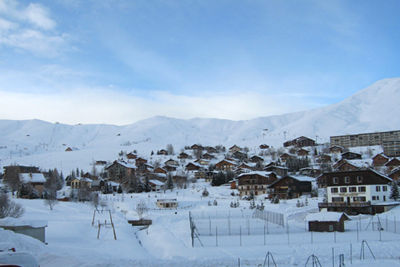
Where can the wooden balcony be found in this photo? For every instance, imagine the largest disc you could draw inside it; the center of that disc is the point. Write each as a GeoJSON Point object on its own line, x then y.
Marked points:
{"type": "Point", "coordinates": [344, 204]}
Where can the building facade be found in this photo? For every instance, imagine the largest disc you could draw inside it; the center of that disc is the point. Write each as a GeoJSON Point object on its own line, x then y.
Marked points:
{"type": "Point", "coordinates": [391, 138]}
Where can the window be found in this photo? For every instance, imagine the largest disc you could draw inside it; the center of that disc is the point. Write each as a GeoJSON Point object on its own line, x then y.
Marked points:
{"type": "Point", "coordinates": [343, 190]}
{"type": "Point", "coordinates": [337, 199]}
{"type": "Point", "coordinates": [361, 189]}
{"type": "Point", "coordinates": [359, 179]}
{"type": "Point", "coordinates": [330, 228]}
{"type": "Point", "coordinates": [334, 190]}
{"type": "Point", "coordinates": [335, 180]}
{"type": "Point", "coordinates": [353, 189]}
{"type": "Point", "coordinates": [378, 188]}
{"type": "Point", "coordinates": [360, 199]}
{"type": "Point", "coordinates": [373, 197]}
{"type": "Point", "coordinates": [384, 188]}
{"type": "Point", "coordinates": [347, 179]}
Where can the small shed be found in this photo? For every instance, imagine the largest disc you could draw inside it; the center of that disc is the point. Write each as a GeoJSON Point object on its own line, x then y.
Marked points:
{"type": "Point", "coordinates": [327, 221]}
{"type": "Point", "coordinates": [35, 229]}
{"type": "Point", "coordinates": [167, 203]}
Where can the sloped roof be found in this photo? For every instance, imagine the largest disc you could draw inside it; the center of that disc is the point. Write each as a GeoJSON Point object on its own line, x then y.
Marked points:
{"type": "Point", "coordinates": [327, 216]}
{"type": "Point", "coordinates": [32, 177]}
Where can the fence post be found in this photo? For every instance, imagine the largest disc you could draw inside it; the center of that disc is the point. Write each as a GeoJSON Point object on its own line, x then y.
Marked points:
{"type": "Point", "coordinates": [216, 236]}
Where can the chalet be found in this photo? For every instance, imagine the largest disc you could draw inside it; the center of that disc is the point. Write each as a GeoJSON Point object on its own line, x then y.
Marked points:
{"type": "Point", "coordinates": [392, 164]}
{"type": "Point", "coordinates": [324, 158]}
{"type": "Point", "coordinates": [169, 168]}
{"type": "Point", "coordinates": [346, 166]}
{"type": "Point", "coordinates": [183, 155]}
{"type": "Point", "coordinates": [291, 187]}
{"type": "Point", "coordinates": [264, 146]}
{"type": "Point", "coordinates": [379, 160]}
{"type": "Point", "coordinates": [156, 185]}
{"type": "Point", "coordinates": [245, 167]}
{"type": "Point", "coordinates": [351, 155]}
{"type": "Point", "coordinates": [326, 221]}
{"type": "Point", "coordinates": [36, 180]}
{"type": "Point", "coordinates": [255, 183]}
{"type": "Point", "coordinates": [395, 174]}
{"type": "Point", "coordinates": [101, 162]}
{"type": "Point", "coordinates": [119, 170]}
{"type": "Point", "coordinates": [167, 203]}
{"type": "Point", "coordinates": [202, 162]}
{"type": "Point", "coordinates": [98, 185]}
{"type": "Point", "coordinates": [279, 170]}
{"type": "Point", "coordinates": [171, 162]}
{"type": "Point", "coordinates": [309, 171]}
{"type": "Point", "coordinates": [131, 156]}
{"type": "Point", "coordinates": [160, 170]}
{"type": "Point", "coordinates": [256, 159]}
{"type": "Point", "coordinates": [68, 149]}
{"type": "Point", "coordinates": [336, 149]}
{"type": "Point", "coordinates": [239, 155]}
{"type": "Point", "coordinates": [162, 152]}
{"type": "Point", "coordinates": [192, 167]}
{"type": "Point", "coordinates": [200, 174]}
{"type": "Point", "coordinates": [207, 156]}
{"type": "Point", "coordinates": [234, 149]}
{"type": "Point", "coordinates": [196, 147]}
{"type": "Point", "coordinates": [302, 152]}
{"type": "Point", "coordinates": [81, 182]}
{"type": "Point", "coordinates": [285, 156]}
{"type": "Point", "coordinates": [225, 165]}
{"type": "Point", "coordinates": [360, 191]}
{"type": "Point", "coordinates": [140, 161]}
{"type": "Point", "coordinates": [301, 141]}
{"type": "Point", "coordinates": [211, 149]}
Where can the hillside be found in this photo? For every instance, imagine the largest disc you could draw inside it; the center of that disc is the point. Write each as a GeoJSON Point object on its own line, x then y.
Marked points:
{"type": "Point", "coordinates": [33, 141]}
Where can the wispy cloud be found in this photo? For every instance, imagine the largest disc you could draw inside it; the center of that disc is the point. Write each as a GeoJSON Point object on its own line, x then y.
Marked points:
{"type": "Point", "coordinates": [29, 28]}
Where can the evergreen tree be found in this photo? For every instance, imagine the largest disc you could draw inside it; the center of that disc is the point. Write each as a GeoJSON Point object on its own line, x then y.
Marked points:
{"type": "Point", "coordinates": [394, 194]}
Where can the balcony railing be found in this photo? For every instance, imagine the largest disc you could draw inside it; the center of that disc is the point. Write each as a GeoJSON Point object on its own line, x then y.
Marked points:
{"type": "Point", "coordinates": [344, 204]}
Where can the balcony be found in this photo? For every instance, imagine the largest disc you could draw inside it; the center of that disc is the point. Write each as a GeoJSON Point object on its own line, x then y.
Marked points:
{"type": "Point", "coordinates": [344, 204]}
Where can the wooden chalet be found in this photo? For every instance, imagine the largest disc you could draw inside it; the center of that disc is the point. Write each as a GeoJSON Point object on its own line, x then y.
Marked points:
{"type": "Point", "coordinates": [162, 152]}
{"type": "Point", "coordinates": [171, 162]}
{"type": "Point", "coordinates": [346, 166]}
{"type": "Point", "coordinates": [239, 155]}
{"type": "Point", "coordinates": [140, 161]}
{"type": "Point", "coordinates": [160, 170]}
{"type": "Point", "coordinates": [395, 174]}
{"type": "Point", "coordinates": [255, 183]}
{"type": "Point", "coordinates": [211, 149]}
{"type": "Point", "coordinates": [202, 162]}
{"type": "Point", "coordinates": [245, 167]}
{"type": "Point", "coordinates": [324, 158]}
{"type": "Point", "coordinates": [169, 168]}
{"type": "Point", "coordinates": [81, 182]}
{"type": "Point", "coordinates": [351, 155]}
{"type": "Point", "coordinates": [326, 221]}
{"type": "Point", "coordinates": [301, 141]}
{"type": "Point", "coordinates": [302, 152]}
{"type": "Point", "coordinates": [167, 203]}
{"type": "Point", "coordinates": [207, 156]}
{"type": "Point", "coordinates": [68, 149]}
{"type": "Point", "coordinates": [279, 170]}
{"type": "Point", "coordinates": [285, 156]}
{"type": "Point", "coordinates": [196, 147]}
{"type": "Point", "coordinates": [264, 146]}
{"type": "Point", "coordinates": [192, 167]}
{"type": "Point", "coordinates": [156, 185]}
{"type": "Point", "coordinates": [256, 159]}
{"type": "Point", "coordinates": [234, 149]}
{"type": "Point", "coordinates": [183, 155]}
{"type": "Point", "coordinates": [392, 164]}
{"type": "Point", "coordinates": [290, 187]}
{"type": "Point", "coordinates": [35, 180]}
{"type": "Point", "coordinates": [379, 160]}
{"type": "Point", "coordinates": [131, 155]}
{"type": "Point", "coordinates": [119, 170]}
{"type": "Point", "coordinates": [336, 149]}
{"type": "Point", "coordinates": [225, 165]}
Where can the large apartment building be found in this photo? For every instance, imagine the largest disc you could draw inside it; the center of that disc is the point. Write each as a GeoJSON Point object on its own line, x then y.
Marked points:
{"type": "Point", "coordinates": [390, 141]}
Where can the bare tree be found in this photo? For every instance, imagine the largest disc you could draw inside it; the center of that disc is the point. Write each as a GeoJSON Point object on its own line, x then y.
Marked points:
{"type": "Point", "coordinates": [170, 149]}
{"type": "Point", "coordinates": [9, 208]}
{"type": "Point", "coordinates": [141, 208]}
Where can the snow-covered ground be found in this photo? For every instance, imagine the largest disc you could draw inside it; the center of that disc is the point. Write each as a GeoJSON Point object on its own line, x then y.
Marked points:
{"type": "Point", "coordinates": [72, 240]}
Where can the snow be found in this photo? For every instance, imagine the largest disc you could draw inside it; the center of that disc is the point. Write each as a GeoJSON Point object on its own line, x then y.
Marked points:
{"type": "Point", "coordinates": [156, 182]}
{"type": "Point", "coordinates": [325, 216]}
{"type": "Point", "coordinates": [17, 222]}
{"type": "Point", "coordinates": [303, 178]}
{"type": "Point", "coordinates": [32, 177]}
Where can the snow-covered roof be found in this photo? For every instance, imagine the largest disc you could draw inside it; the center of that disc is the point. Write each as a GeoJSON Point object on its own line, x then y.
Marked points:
{"type": "Point", "coordinates": [32, 177]}
{"type": "Point", "coordinates": [262, 173]}
{"type": "Point", "coordinates": [303, 178]}
{"type": "Point", "coordinates": [156, 182]}
{"type": "Point", "coordinates": [327, 216]}
{"type": "Point", "coordinates": [9, 221]}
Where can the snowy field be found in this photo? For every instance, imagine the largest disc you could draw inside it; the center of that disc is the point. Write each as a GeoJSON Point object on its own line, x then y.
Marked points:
{"type": "Point", "coordinates": [72, 240]}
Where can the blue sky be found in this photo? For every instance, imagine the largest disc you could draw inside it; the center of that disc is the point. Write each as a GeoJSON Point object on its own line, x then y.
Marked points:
{"type": "Point", "coordinates": [121, 61]}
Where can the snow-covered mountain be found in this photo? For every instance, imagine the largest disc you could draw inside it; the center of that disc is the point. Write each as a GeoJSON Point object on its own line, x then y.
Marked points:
{"type": "Point", "coordinates": [375, 108]}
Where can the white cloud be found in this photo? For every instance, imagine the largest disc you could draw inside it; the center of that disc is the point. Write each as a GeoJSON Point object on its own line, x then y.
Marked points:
{"type": "Point", "coordinates": [28, 28]}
